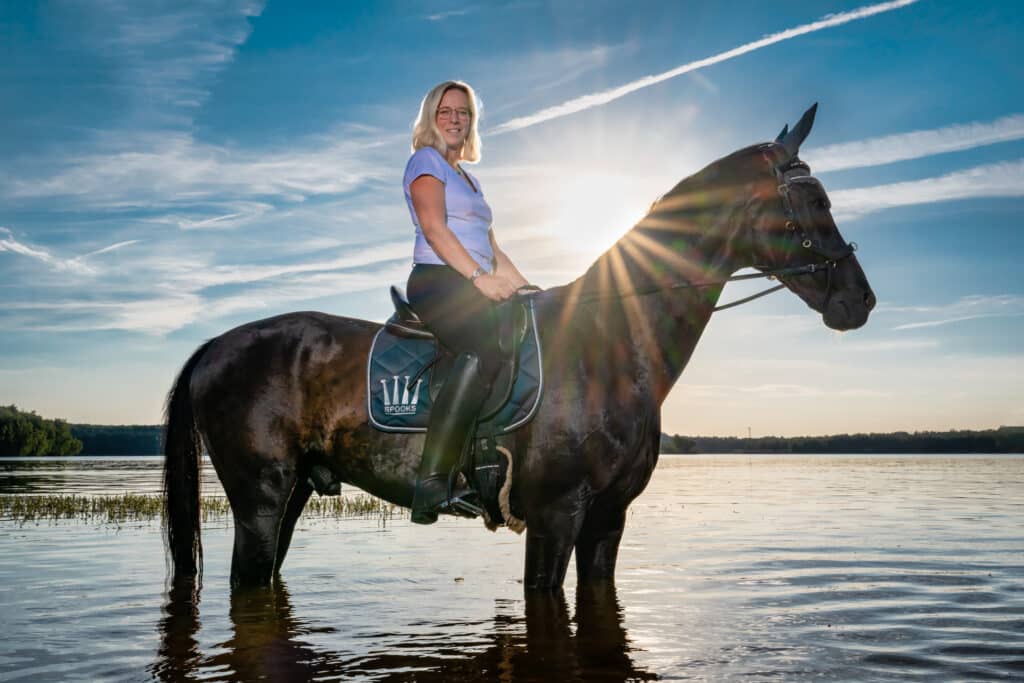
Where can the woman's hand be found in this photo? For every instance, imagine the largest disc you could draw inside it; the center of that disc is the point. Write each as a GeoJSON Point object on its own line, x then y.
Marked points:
{"type": "Point", "coordinates": [494, 287]}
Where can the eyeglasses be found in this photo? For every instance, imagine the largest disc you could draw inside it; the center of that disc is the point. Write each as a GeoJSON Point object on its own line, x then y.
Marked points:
{"type": "Point", "coordinates": [449, 113]}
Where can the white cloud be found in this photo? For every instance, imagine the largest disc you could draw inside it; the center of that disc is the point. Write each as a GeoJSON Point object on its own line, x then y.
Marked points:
{"type": "Point", "coordinates": [441, 16]}
{"type": "Point", "coordinates": [1004, 179]}
{"type": "Point", "coordinates": [202, 276]}
{"type": "Point", "coordinates": [172, 296]}
{"type": "Point", "coordinates": [104, 250]}
{"type": "Point", "coordinates": [915, 144]}
{"type": "Point", "coordinates": [966, 308]}
{"type": "Point", "coordinates": [888, 345]}
{"type": "Point", "coordinates": [166, 309]}
{"type": "Point", "coordinates": [167, 56]}
{"type": "Point", "coordinates": [9, 244]}
{"type": "Point", "coordinates": [154, 170]}
{"type": "Point", "coordinates": [592, 100]}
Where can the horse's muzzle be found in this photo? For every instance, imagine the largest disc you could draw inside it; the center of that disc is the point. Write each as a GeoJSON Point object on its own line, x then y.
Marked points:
{"type": "Point", "coordinates": [848, 309]}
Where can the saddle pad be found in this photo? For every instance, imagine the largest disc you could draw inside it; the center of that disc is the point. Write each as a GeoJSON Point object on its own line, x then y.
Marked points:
{"type": "Point", "coordinates": [398, 401]}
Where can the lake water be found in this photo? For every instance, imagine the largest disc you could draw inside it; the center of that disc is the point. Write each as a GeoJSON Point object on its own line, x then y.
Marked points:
{"type": "Point", "coordinates": [753, 568]}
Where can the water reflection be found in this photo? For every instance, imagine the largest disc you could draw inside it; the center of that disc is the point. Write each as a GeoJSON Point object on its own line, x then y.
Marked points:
{"type": "Point", "coordinates": [91, 475]}
{"type": "Point", "coordinates": [532, 640]}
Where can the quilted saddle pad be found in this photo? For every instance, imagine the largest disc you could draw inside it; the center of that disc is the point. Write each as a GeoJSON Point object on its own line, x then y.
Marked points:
{"type": "Point", "coordinates": [398, 389]}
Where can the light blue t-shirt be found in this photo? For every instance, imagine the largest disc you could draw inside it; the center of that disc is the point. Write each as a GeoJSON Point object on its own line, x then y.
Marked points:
{"type": "Point", "coordinates": [468, 214]}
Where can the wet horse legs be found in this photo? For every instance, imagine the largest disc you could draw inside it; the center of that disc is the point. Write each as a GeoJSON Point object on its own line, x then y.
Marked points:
{"type": "Point", "coordinates": [259, 515]}
{"type": "Point", "coordinates": [597, 546]}
{"type": "Point", "coordinates": [550, 535]}
{"type": "Point", "coordinates": [296, 504]}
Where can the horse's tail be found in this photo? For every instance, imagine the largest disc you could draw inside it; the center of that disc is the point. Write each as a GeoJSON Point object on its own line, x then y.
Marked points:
{"type": "Point", "coordinates": [182, 450]}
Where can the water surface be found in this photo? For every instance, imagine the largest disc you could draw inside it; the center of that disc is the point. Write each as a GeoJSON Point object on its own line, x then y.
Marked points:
{"type": "Point", "coordinates": [732, 568]}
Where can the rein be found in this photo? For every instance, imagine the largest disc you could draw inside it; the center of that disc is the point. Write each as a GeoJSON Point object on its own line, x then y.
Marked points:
{"type": "Point", "coordinates": [770, 274]}
{"type": "Point", "coordinates": [793, 224]}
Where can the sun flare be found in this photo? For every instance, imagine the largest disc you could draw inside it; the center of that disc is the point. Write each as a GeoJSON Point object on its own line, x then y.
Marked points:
{"type": "Point", "coordinates": [596, 208]}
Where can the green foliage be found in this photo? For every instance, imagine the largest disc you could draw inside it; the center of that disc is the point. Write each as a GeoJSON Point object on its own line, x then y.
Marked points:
{"type": "Point", "coordinates": [119, 439]}
{"type": "Point", "coordinates": [1002, 440]}
{"type": "Point", "coordinates": [27, 434]}
{"type": "Point", "coordinates": [677, 444]}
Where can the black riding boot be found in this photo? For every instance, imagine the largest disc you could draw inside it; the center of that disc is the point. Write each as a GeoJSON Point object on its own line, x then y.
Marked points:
{"type": "Point", "coordinates": [452, 422]}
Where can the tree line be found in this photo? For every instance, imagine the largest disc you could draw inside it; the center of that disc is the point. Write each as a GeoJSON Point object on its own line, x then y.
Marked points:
{"type": "Point", "coordinates": [27, 434]}
{"type": "Point", "coordinates": [1002, 440]}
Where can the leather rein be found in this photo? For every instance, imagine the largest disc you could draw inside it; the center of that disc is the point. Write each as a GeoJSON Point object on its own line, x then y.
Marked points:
{"type": "Point", "coordinates": [830, 259]}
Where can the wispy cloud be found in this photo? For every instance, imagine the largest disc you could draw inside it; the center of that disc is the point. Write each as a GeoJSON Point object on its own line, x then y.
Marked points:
{"type": "Point", "coordinates": [1004, 179]}
{"type": "Point", "coordinates": [973, 307]}
{"type": "Point", "coordinates": [441, 16]}
{"type": "Point", "coordinates": [915, 144]}
{"type": "Point", "coordinates": [112, 247]}
{"type": "Point", "coordinates": [597, 99]}
{"type": "Point", "coordinates": [890, 345]}
{"type": "Point", "coordinates": [9, 244]}
{"type": "Point", "coordinates": [166, 308]}
{"type": "Point", "coordinates": [168, 58]}
{"type": "Point", "coordinates": [198, 185]}
{"type": "Point", "coordinates": [358, 257]}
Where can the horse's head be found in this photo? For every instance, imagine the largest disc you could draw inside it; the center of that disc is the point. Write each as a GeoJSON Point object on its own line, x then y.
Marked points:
{"type": "Point", "coordinates": [795, 233]}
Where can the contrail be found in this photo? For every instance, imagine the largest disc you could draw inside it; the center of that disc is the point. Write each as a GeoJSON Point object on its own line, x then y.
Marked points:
{"type": "Point", "coordinates": [1002, 179]}
{"type": "Point", "coordinates": [597, 99]}
{"type": "Point", "coordinates": [916, 144]}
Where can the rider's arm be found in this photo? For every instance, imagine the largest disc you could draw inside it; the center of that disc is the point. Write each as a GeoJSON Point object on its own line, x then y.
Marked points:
{"type": "Point", "coordinates": [427, 194]}
{"type": "Point", "coordinates": [505, 267]}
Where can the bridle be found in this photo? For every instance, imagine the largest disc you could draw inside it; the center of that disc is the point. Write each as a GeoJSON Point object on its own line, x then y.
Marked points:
{"type": "Point", "coordinates": [829, 259]}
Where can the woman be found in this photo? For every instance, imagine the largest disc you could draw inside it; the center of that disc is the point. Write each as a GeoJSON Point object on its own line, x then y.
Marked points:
{"type": "Point", "coordinates": [459, 275]}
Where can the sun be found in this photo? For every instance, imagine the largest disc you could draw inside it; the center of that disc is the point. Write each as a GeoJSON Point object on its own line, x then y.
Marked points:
{"type": "Point", "coordinates": [595, 208]}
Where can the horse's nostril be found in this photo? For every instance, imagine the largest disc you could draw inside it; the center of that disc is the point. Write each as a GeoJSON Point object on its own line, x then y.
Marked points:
{"type": "Point", "coordinates": [869, 300]}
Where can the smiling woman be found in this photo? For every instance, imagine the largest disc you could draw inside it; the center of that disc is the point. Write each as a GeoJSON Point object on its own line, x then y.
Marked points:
{"type": "Point", "coordinates": [458, 277]}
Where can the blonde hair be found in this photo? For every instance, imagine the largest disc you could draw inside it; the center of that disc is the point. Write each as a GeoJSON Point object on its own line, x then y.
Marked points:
{"type": "Point", "coordinates": [425, 132]}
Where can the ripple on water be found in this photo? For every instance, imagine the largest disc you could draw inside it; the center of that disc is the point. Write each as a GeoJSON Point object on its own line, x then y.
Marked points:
{"type": "Point", "coordinates": [769, 568]}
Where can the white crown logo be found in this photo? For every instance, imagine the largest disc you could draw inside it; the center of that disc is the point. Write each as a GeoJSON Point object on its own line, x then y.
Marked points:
{"type": "Point", "coordinates": [400, 402]}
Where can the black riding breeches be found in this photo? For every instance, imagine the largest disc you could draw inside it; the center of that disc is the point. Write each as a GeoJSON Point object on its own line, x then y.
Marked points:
{"type": "Point", "coordinates": [462, 319]}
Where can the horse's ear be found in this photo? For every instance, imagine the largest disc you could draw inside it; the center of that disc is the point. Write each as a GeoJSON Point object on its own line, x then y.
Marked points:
{"type": "Point", "coordinates": [792, 140]}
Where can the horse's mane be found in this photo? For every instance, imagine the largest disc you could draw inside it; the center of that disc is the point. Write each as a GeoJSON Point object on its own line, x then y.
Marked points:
{"type": "Point", "coordinates": [738, 167]}
{"type": "Point", "coordinates": [687, 203]}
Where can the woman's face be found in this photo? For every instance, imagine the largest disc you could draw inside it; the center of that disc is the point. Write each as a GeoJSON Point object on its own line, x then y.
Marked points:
{"type": "Point", "coordinates": [453, 118]}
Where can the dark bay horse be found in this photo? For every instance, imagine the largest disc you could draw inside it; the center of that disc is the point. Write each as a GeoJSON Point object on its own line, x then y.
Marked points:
{"type": "Point", "coordinates": [271, 399]}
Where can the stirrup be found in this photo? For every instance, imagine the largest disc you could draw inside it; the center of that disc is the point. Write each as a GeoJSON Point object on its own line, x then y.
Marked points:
{"type": "Point", "coordinates": [461, 507]}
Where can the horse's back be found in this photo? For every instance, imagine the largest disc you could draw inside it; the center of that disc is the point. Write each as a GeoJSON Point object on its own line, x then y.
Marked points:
{"type": "Point", "coordinates": [283, 382]}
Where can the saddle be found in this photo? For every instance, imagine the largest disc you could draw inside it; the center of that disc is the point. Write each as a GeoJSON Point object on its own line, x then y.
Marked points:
{"type": "Point", "coordinates": [512, 327]}
{"type": "Point", "coordinates": [408, 366]}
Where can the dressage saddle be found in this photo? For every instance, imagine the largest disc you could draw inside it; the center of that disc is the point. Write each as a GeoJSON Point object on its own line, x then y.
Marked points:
{"type": "Point", "coordinates": [512, 328]}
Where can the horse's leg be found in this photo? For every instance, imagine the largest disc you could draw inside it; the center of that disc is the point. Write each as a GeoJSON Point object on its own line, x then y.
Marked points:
{"type": "Point", "coordinates": [296, 503]}
{"type": "Point", "coordinates": [550, 534]}
{"type": "Point", "coordinates": [259, 513]}
{"type": "Point", "coordinates": [597, 546]}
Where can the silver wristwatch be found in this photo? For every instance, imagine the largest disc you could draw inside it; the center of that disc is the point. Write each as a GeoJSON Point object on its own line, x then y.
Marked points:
{"type": "Point", "coordinates": [477, 273]}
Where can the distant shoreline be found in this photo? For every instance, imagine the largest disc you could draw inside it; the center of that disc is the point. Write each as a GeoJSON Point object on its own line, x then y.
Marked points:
{"type": "Point", "coordinates": [146, 440]}
{"type": "Point", "coordinates": [141, 440]}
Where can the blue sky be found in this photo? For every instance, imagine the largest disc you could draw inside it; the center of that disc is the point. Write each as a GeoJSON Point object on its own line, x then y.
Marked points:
{"type": "Point", "coordinates": [169, 170]}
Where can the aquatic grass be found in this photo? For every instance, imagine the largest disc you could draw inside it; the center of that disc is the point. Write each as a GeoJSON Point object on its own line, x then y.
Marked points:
{"type": "Point", "coordinates": [132, 507]}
